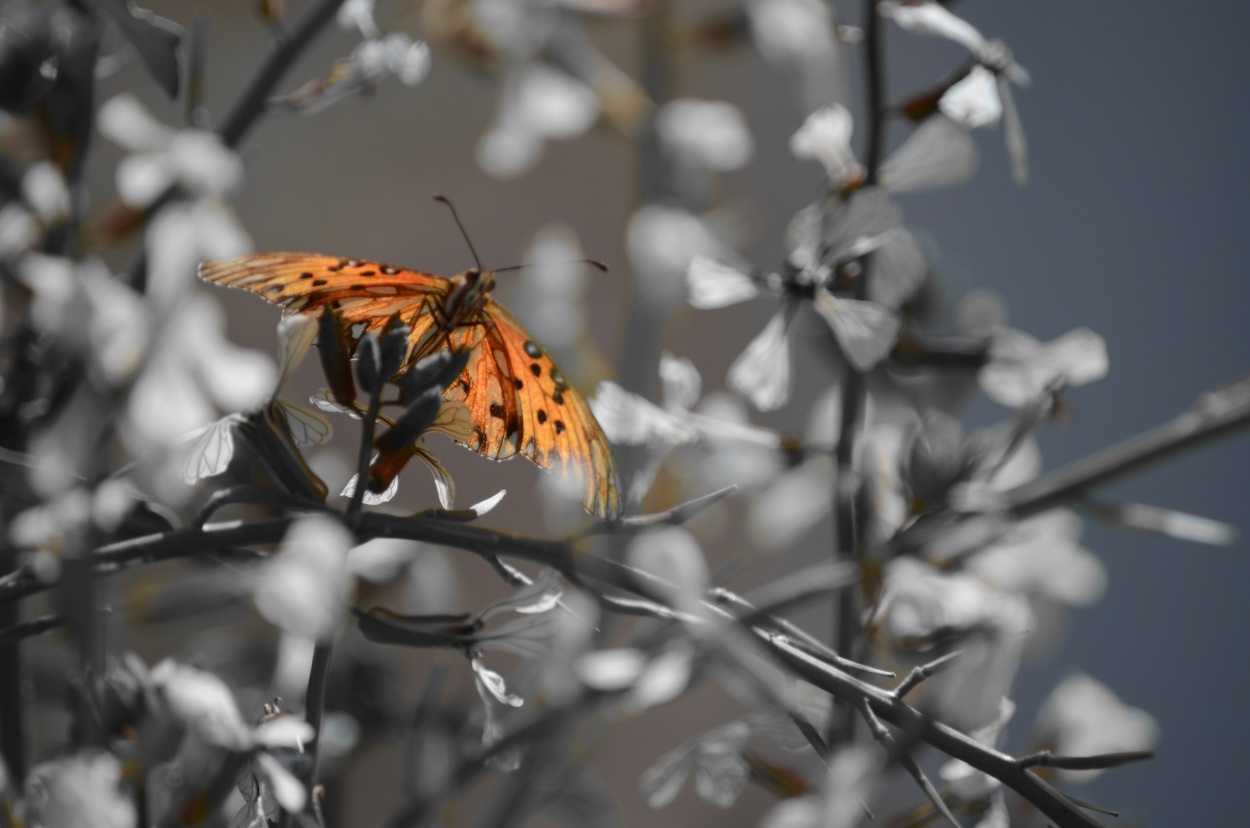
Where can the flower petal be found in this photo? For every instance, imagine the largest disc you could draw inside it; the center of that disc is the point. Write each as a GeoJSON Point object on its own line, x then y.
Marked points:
{"type": "Point", "coordinates": [940, 153]}
{"type": "Point", "coordinates": [865, 331]}
{"type": "Point", "coordinates": [762, 372]}
{"type": "Point", "coordinates": [716, 285]}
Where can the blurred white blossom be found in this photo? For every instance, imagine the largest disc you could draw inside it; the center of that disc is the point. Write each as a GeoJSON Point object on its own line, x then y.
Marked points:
{"type": "Point", "coordinates": [712, 134]}
{"type": "Point", "coordinates": [939, 153]}
{"type": "Point", "coordinates": [1083, 717]}
{"type": "Point", "coordinates": [1021, 369]}
{"type": "Point", "coordinates": [826, 137]}
{"type": "Point", "coordinates": [303, 587]}
{"type": "Point", "coordinates": [395, 55]}
{"type": "Point", "coordinates": [800, 34]}
{"type": "Point", "coordinates": [79, 791]}
{"type": "Point", "coordinates": [162, 157]}
{"type": "Point", "coordinates": [715, 760]}
{"type": "Point", "coordinates": [661, 242]}
{"type": "Point", "coordinates": [538, 103]}
{"type": "Point", "coordinates": [192, 373]}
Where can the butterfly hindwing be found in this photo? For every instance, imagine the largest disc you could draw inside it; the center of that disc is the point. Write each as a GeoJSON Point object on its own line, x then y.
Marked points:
{"type": "Point", "coordinates": [522, 403]}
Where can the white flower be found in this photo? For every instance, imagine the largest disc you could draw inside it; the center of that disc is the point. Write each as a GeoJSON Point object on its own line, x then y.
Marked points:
{"type": "Point", "coordinates": [303, 587]}
{"type": "Point", "coordinates": [539, 103]}
{"type": "Point", "coordinates": [662, 241]}
{"type": "Point", "coordinates": [761, 373]}
{"type": "Point", "coordinates": [933, 19]}
{"type": "Point", "coordinates": [1021, 369]}
{"type": "Point", "coordinates": [826, 137]}
{"type": "Point", "coordinates": [192, 372]}
{"type": "Point", "coordinates": [710, 133]}
{"type": "Point", "coordinates": [973, 101]}
{"type": "Point", "coordinates": [715, 759]}
{"type": "Point", "coordinates": [79, 791]}
{"type": "Point", "coordinates": [1083, 717]}
{"type": "Point", "coordinates": [1043, 556]}
{"type": "Point", "coordinates": [160, 157]}
{"type": "Point", "coordinates": [792, 31]}
{"type": "Point", "coordinates": [358, 14]}
{"type": "Point", "coordinates": [396, 55]}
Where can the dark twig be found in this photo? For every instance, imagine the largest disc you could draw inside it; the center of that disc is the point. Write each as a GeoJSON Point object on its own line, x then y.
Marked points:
{"type": "Point", "coordinates": [1089, 806]}
{"type": "Point", "coordinates": [27, 629]}
{"type": "Point", "coordinates": [854, 387]}
{"type": "Point", "coordinates": [924, 671]}
{"type": "Point", "coordinates": [882, 734]}
{"type": "Point", "coordinates": [1046, 759]}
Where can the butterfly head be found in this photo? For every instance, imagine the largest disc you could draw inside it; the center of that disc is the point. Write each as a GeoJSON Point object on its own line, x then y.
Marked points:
{"type": "Point", "coordinates": [469, 292]}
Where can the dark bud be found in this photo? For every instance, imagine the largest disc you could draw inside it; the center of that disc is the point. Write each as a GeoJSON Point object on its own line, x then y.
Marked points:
{"type": "Point", "coordinates": [394, 344]}
{"type": "Point", "coordinates": [436, 371]}
{"type": "Point", "coordinates": [939, 458]}
{"type": "Point", "coordinates": [412, 423]}
{"type": "Point", "coordinates": [437, 631]}
{"type": "Point", "coordinates": [336, 359]}
{"type": "Point", "coordinates": [388, 465]}
{"type": "Point", "coordinates": [369, 368]}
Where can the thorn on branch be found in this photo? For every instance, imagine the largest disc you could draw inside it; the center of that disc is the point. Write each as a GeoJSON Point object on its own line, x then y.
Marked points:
{"type": "Point", "coordinates": [1046, 759]}
{"type": "Point", "coordinates": [924, 671]}
{"type": "Point", "coordinates": [673, 517]}
{"type": "Point", "coordinates": [1089, 806]}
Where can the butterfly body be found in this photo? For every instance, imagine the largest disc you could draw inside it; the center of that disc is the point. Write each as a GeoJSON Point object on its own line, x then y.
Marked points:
{"type": "Point", "coordinates": [519, 400]}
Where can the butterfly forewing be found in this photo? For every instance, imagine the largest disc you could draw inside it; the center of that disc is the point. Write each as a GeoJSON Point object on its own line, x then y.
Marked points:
{"type": "Point", "coordinates": [519, 400]}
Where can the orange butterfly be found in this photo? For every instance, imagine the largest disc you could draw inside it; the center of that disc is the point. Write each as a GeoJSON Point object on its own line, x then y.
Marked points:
{"type": "Point", "coordinates": [518, 398]}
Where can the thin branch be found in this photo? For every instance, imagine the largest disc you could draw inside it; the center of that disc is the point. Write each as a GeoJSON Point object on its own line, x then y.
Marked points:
{"type": "Point", "coordinates": [1046, 759]}
{"type": "Point", "coordinates": [887, 740]}
{"type": "Point", "coordinates": [27, 629]}
{"type": "Point", "coordinates": [854, 387]}
{"type": "Point", "coordinates": [924, 671]}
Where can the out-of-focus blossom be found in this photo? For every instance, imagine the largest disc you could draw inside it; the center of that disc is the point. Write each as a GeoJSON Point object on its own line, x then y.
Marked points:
{"type": "Point", "coordinates": [303, 588]}
{"type": "Point", "coordinates": [674, 556]}
{"type": "Point", "coordinates": [84, 308]}
{"type": "Point", "coordinates": [396, 55]}
{"type": "Point", "coordinates": [712, 134]}
{"type": "Point", "coordinates": [724, 447]}
{"type": "Point", "coordinates": [715, 759]}
{"type": "Point", "coordinates": [201, 701]}
{"type": "Point", "coordinates": [761, 373]}
{"type": "Point", "coordinates": [372, 62]}
{"type": "Point", "coordinates": [162, 157]}
{"type": "Point", "coordinates": [850, 783]}
{"type": "Point", "coordinates": [1021, 369]}
{"type": "Point", "coordinates": [826, 137]}
{"type": "Point", "coordinates": [1043, 556]}
{"type": "Point", "coordinates": [1082, 717]}
{"type": "Point", "coordinates": [358, 15]}
{"type": "Point", "coordinates": [939, 153]}
{"type": "Point", "coordinates": [539, 103]}
{"type": "Point", "coordinates": [44, 189]}
{"type": "Point", "coordinates": [921, 606]}
{"type": "Point", "coordinates": [661, 242]}
{"type": "Point", "coordinates": [79, 791]}
{"type": "Point", "coordinates": [800, 34]}
{"type": "Point", "coordinates": [192, 372]}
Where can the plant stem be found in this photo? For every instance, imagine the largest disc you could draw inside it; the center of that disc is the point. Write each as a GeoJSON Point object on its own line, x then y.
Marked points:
{"type": "Point", "coordinates": [854, 389]}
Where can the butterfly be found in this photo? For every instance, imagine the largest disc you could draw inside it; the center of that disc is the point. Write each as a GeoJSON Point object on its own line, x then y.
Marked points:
{"type": "Point", "coordinates": [518, 399]}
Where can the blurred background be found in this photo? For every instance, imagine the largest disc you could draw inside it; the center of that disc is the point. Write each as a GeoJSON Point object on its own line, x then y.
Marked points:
{"type": "Point", "coordinates": [1136, 120]}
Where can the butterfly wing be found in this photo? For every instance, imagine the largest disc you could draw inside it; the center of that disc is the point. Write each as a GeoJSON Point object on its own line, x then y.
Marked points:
{"type": "Point", "coordinates": [366, 293]}
{"type": "Point", "coordinates": [522, 403]}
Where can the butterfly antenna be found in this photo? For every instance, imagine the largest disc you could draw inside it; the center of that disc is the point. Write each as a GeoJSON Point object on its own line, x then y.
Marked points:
{"type": "Point", "coordinates": [463, 232]}
{"type": "Point", "coordinates": [595, 264]}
